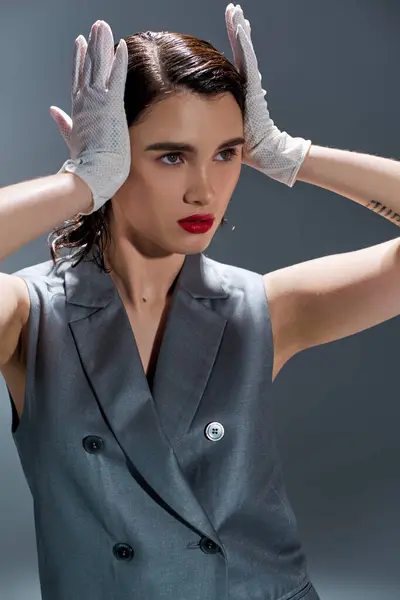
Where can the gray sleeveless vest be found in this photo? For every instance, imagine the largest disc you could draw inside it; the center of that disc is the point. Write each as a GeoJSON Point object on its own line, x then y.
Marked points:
{"type": "Point", "coordinates": [173, 493]}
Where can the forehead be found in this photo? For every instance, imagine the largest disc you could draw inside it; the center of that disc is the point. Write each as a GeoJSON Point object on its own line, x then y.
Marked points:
{"type": "Point", "coordinates": [189, 117]}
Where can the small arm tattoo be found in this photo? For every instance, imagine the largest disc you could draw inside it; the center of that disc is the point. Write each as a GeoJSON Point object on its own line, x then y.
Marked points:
{"type": "Point", "coordinates": [384, 211]}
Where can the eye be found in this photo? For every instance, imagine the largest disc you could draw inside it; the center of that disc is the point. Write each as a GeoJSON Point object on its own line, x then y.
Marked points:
{"type": "Point", "coordinates": [229, 152]}
{"type": "Point", "coordinates": [173, 155]}
{"type": "Point", "coordinates": [232, 152]}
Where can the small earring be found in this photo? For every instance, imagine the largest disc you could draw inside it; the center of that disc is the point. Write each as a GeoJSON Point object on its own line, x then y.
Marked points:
{"type": "Point", "coordinates": [224, 221]}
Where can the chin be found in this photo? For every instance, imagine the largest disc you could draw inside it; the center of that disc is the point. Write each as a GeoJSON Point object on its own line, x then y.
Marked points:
{"type": "Point", "coordinates": [188, 244]}
{"type": "Point", "coordinates": [199, 243]}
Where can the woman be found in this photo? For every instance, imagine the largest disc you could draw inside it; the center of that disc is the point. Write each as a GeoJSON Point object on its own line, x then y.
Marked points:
{"type": "Point", "coordinates": [153, 465]}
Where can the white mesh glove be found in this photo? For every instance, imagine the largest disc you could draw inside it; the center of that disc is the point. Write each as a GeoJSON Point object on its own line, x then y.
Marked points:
{"type": "Point", "coordinates": [97, 135]}
{"type": "Point", "coordinates": [266, 149]}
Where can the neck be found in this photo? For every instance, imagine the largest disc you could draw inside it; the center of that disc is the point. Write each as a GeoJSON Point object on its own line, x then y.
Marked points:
{"type": "Point", "coordinates": [143, 281]}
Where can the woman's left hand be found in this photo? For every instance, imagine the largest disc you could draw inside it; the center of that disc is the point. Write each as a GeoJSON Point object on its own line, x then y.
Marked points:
{"type": "Point", "coordinates": [266, 149]}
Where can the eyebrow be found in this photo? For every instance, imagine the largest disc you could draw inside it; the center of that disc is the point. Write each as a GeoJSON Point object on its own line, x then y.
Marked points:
{"type": "Point", "coordinates": [181, 147]}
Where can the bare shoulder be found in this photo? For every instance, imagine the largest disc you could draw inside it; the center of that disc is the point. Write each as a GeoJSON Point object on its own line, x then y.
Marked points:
{"type": "Point", "coordinates": [14, 318]}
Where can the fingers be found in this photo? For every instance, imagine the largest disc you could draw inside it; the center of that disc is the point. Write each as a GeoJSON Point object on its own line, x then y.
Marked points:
{"type": "Point", "coordinates": [231, 30]}
{"type": "Point", "coordinates": [80, 49]}
{"type": "Point", "coordinates": [103, 54]}
{"type": "Point", "coordinates": [90, 57]}
{"type": "Point", "coordinates": [235, 16]}
{"type": "Point", "coordinates": [229, 24]}
{"type": "Point", "coordinates": [64, 122]}
{"type": "Point", "coordinates": [250, 63]}
{"type": "Point", "coordinates": [119, 69]}
{"type": "Point", "coordinates": [95, 63]}
{"type": "Point", "coordinates": [94, 59]}
{"type": "Point", "coordinates": [234, 19]}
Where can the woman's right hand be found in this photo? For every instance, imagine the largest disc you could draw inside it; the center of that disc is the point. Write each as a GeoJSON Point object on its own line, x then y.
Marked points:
{"type": "Point", "coordinates": [97, 135]}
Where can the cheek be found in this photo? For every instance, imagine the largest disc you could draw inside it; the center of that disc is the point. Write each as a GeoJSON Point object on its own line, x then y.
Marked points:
{"type": "Point", "coordinates": [152, 181]}
{"type": "Point", "coordinates": [156, 178]}
{"type": "Point", "coordinates": [147, 184]}
{"type": "Point", "coordinates": [154, 192]}
{"type": "Point", "coordinates": [231, 178]}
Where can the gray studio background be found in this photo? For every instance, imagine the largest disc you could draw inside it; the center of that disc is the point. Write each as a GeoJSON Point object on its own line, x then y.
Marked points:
{"type": "Point", "coordinates": [332, 75]}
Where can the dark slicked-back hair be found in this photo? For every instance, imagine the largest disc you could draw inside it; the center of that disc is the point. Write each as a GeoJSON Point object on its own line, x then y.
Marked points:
{"type": "Point", "coordinates": [159, 64]}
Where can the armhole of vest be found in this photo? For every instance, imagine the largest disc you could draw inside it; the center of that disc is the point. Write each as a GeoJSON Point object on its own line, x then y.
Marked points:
{"type": "Point", "coordinates": [14, 414]}
{"type": "Point", "coordinates": [31, 347]}
{"type": "Point", "coordinates": [269, 327]}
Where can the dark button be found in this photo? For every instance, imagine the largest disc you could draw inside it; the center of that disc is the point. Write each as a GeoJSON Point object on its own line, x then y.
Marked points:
{"type": "Point", "coordinates": [208, 546]}
{"type": "Point", "coordinates": [93, 444]}
{"type": "Point", "coordinates": [123, 552]}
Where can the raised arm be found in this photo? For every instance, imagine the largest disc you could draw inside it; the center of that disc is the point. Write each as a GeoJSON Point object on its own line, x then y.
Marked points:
{"type": "Point", "coordinates": [328, 298]}
{"type": "Point", "coordinates": [31, 208]}
{"type": "Point", "coordinates": [372, 181]}
{"type": "Point", "coordinates": [99, 147]}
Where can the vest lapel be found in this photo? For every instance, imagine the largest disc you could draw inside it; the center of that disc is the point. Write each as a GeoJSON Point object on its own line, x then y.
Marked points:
{"type": "Point", "coordinates": [148, 427]}
{"type": "Point", "coordinates": [190, 343]}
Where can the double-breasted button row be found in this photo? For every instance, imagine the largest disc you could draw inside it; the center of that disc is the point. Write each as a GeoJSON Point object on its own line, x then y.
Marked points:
{"type": "Point", "coordinates": [122, 551]}
{"type": "Point", "coordinates": [126, 553]}
{"type": "Point", "coordinates": [93, 444]}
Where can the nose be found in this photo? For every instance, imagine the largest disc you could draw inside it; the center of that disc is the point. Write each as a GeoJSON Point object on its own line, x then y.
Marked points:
{"type": "Point", "coordinates": [200, 189]}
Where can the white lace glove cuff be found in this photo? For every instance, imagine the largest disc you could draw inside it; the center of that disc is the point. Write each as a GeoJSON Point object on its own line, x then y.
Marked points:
{"type": "Point", "coordinates": [280, 157]}
{"type": "Point", "coordinates": [92, 169]}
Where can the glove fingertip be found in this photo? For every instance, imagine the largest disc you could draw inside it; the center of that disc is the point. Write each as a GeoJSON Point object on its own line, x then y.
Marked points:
{"type": "Point", "coordinates": [54, 113]}
{"type": "Point", "coordinates": [120, 65]}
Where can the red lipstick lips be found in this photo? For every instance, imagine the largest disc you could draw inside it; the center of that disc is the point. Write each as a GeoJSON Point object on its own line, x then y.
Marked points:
{"type": "Point", "coordinates": [197, 223]}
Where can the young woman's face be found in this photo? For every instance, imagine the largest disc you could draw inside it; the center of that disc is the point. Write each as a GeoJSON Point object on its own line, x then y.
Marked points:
{"type": "Point", "coordinates": [166, 185]}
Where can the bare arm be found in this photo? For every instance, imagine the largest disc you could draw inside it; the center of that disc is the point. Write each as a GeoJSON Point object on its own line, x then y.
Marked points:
{"type": "Point", "coordinates": [372, 181]}
{"type": "Point", "coordinates": [31, 208]}
{"type": "Point", "coordinates": [332, 297]}
{"type": "Point", "coordinates": [14, 314]}
{"type": "Point", "coordinates": [27, 210]}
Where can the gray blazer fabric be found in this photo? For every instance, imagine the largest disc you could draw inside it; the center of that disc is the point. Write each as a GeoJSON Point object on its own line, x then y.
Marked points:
{"type": "Point", "coordinates": [170, 493]}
